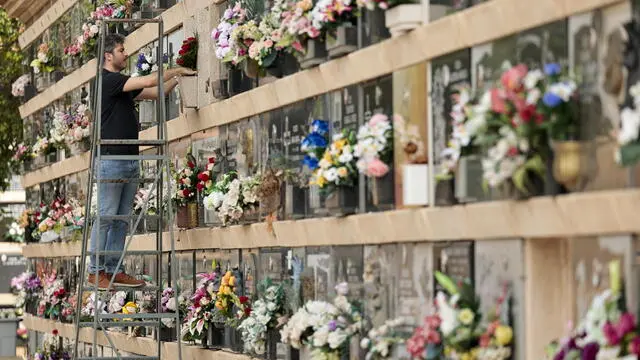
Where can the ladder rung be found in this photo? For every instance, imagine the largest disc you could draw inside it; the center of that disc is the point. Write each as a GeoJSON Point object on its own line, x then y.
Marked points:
{"type": "Point", "coordinates": [127, 217]}
{"type": "Point", "coordinates": [119, 358]}
{"type": "Point", "coordinates": [123, 288]}
{"type": "Point", "coordinates": [145, 316]}
{"type": "Point", "coordinates": [132, 157]}
{"type": "Point", "coordinates": [129, 252]}
{"type": "Point", "coordinates": [132, 142]}
{"type": "Point", "coordinates": [134, 180]}
{"type": "Point", "coordinates": [112, 324]}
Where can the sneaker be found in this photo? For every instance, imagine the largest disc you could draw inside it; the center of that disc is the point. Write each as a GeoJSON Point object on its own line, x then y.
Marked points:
{"type": "Point", "coordinates": [103, 280]}
{"type": "Point", "coordinates": [125, 280]}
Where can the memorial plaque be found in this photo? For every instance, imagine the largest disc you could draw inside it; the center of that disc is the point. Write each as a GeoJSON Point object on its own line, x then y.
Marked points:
{"type": "Point", "coordinates": [273, 264]}
{"type": "Point", "coordinates": [414, 289]}
{"type": "Point", "coordinates": [273, 154]}
{"type": "Point", "coordinates": [454, 259]}
{"type": "Point", "coordinates": [373, 27]}
{"type": "Point", "coordinates": [378, 99]}
{"type": "Point", "coordinates": [186, 272]}
{"type": "Point", "coordinates": [447, 72]}
{"type": "Point", "coordinates": [347, 264]}
{"type": "Point", "coordinates": [206, 145]}
{"type": "Point", "coordinates": [590, 261]}
{"type": "Point", "coordinates": [380, 277]}
{"type": "Point", "coordinates": [499, 267]}
{"type": "Point", "coordinates": [316, 275]}
{"type": "Point", "coordinates": [441, 8]}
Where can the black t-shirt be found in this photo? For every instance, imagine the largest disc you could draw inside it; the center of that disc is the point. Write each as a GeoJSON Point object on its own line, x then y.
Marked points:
{"type": "Point", "coordinates": [119, 118]}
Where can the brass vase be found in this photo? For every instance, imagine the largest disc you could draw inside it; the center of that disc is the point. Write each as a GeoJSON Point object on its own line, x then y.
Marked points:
{"type": "Point", "coordinates": [187, 216]}
{"type": "Point", "coordinates": [567, 163]}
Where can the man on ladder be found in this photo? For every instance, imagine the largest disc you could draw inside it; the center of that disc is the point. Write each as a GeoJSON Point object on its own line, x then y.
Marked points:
{"type": "Point", "coordinates": [118, 121]}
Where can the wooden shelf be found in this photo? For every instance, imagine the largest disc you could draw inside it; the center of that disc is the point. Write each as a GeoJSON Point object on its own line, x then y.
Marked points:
{"type": "Point", "coordinates": [137, 345]}
{"type": "Point", "coordinates": [568, 216]}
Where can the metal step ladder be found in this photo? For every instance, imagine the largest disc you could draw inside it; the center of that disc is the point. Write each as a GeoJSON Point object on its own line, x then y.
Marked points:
{"type": "Point", "coordinates": [101, 322]}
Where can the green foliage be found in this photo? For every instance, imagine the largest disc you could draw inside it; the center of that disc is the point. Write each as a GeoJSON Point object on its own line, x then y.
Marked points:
{"type": "Point", "coordinates": [10, 120]}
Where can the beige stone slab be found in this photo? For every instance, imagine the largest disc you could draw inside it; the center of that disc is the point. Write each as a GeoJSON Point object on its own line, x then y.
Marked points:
{"type": "Point", "coordinates": [45, 21]}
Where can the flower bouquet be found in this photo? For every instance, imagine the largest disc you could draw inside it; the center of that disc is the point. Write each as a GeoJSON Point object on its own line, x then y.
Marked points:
{"type": "Point", "coordinates": [296, 20]}
{"type": "Point", "coordinates": [17, 88]}
{"type": "Point", "coordinates": [185, 197]}
{"type": "Point", "coordinates": [338, 18]}
{"type": "Point", "coordinates": [267, 315]}
{"type": "Point", "coordinates": [78, 136]}
{"type": "Point", "coordinates": [53, 348]}
{"type": "Point", "coordinates": [21, 159]}
{"type": "Point", "coordinates": [188, 57]}
{"type": "Point", "coordinates": [44, 152]}
{"type": "Point", "coordinates": [374, 151]}
{"type": "Point", "coordinates": [233, 197]}
{"type": "Point", "coordinates": [28, 284]}
{"type": "Point", "coordinates": [326, 329]}
{"type": "Point", "coordinates": [198, 324]}
{"type": "Point", "coordinates": [169, 304]}
{"type": "Point", "coordinates": [227, 49]}
{"type": "Point", "coordinates": [628, 152]}
{"type": "Point", "coordinates": [380, 342]}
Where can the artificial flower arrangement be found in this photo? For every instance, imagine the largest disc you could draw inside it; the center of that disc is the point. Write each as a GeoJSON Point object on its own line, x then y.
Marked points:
{"type": "Point", "coordinates": [79, 125]}
{"type": "Point", "coordinates": [68, 309]}
{"type": "Point", "coordinates": [169, 304]}
{"type": "Point", "coordinates": [607, 332]}
{"type": "Point", "coordinates": [205, 177]}
{"type": "Point", "coordinates": [17, 88]}
{"type": "Point", "coordinates": [380, 341]}
{"type": "Point", "coordinates": [42, 147]}
{"type": "Point", "coordinates": [315, 144]}
{"type": "Point", "coordinates": [200, 313]}
{"type": "Point", "coordinates": [30, 220]}
{"type": "Point", "coordinates": [145, 201]}
{"type": "Point", "coordinates": [15, 233]}
{"type": "Point", "coordinates": [273, 42]}
{"type": "Point", "coordinates": [267, 313]}
{"type": "Point", "coordinates": [45, 60]}
{"type": "Point", "coordinates": [337, 167]}
{"type": "Point", "coordinates": [233, 196]}
{"type": "Point", "coordinates": [186, 181]}
{"type": "Point", "coordinates": [58, 132]}
{"type": "Point", "coordinates": [628, 152]}
{"type": "Point", "coordinates": [227, 49]}
{"type": "Point", "coordinates": [188, 53]}
{"type": "Point", "coordinates": [231, 306]}
{"type": "Point", "coordinates": [325, 328]}
{"type": "Point", "coordinates": [91, 306]}
{"type": "Point", "coordinates": [28, 286]}
{"type": "Point", "coordinates": [458, 330]}
{"type": "Point", "coordinates": [22, 155]}
{"type": "Point", "coordinates": [53, 348]}
{"type": "Point", "coordinates": [328, 15]}
{"type": "Point", "coordinates": [145, 64]}
{"type": "Point", "coordinates": [53, 296]}
{"type": "Point", "coordinates": [374, 149]}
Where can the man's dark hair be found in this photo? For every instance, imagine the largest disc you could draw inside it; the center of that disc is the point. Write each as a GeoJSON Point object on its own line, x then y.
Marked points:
{"type": "Point", "coordinates": [111, 41]}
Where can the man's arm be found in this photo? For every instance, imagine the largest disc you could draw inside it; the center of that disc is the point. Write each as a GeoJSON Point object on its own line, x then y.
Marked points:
{"type": "Point", "coordinates": [152, 93]}
{"type": "Point", "coordinates": [151, 80]}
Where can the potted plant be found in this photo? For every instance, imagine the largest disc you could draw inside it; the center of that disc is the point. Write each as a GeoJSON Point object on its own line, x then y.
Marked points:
{"type": "Point", "coordinates": [188, 57]}
{"type": "Point", "coordinates": [415, 173]}
{"type": "Point", "coordinates": [185, 197]}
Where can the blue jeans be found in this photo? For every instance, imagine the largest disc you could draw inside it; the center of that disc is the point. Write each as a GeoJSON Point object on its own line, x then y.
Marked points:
{"type": "Point", "coordinates": [114, 199]}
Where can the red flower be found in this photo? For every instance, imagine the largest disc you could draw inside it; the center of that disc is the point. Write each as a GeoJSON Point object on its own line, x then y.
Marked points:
{"type": "Point", "coordinates": [190, 39]}
{"type": "Point", "coordinates": [247, 311]}
{"type": "Point", "coordinates": [181, 52]}
{"type": "Point", "coordinates": [55, 332]}
{"type": "Point", "coordinates": [186, 192]}
{"type": "Point", "coordinates": [527, 112]}
{"type": "Point", "coordinates": [212, 160]}
{"type": "Point", "coordinates": [199, 186]}
{"type": "Point", "coordinates": [243, 299]}
{"type": "Point", "coordinates": [485, 340]}
{"type": "Point", "coordinates": [191, 165]}
{"type": "Point", "coordinates": [513, 151]}
{"type": "Point", "coordinates": [203, 176]}
{"type": "Point", "coordinates": [180, 62]}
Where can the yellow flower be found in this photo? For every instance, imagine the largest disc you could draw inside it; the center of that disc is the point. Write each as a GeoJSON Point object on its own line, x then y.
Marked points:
{"type": "Point", "coordinates": [327, 156]}
{"type": "Point", "coordinates": [232, 281]}
{"type": "Point", "coordinates": [227, 291]}
{"type": "Point", "coordinates": [342, 172]}
{"type": "Point", "coordinates": [130, 308]}
{"type": "Point", "coordinates": [466, 316]}
{"type": "Point", "coordinates": [42, 227]}
{"type": "Point", "coordinates": [321, 181]}
{"type": "Point", "coordinates": [467, 356]}
{"type": "Point", "coordinates": [219, 305]}
{"type": "Point", "coordinates": [504, 335]}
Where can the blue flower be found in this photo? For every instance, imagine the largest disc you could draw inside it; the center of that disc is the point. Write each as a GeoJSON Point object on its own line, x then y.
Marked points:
{"type": "Point", "coordinates": [552, 69]}
{"type": "Point", "coordinates": [551, 100]}
{"type": "Point", "coordinates": [312, 141]}
{"type": "Point", "coordinates": [320, 126]}
{"type": "Point", "coordinates": [310, 162]}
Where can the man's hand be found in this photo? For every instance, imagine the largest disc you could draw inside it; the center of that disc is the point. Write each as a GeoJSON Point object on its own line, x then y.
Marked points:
{"type": "Point", "coordinates": [183, 71]}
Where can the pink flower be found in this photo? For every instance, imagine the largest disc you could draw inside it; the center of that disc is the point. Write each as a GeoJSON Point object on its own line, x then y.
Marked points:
{"type": "Point", "coordinates": [634, 346]}
{"type": "Point", "coordinates": [497, 101]}
{"type": "Point", "coordinates": [512, 78]}
{"type": "Point", "coordinates": [377, 168]}
{"type": "Point", "coordinates": [626, 324]}
{"type": "Point", "coordinates": [433, 321]}
{"type": "Point", "coordinates": [378, 119]}
{"type": "Point", "coordinates": [433, 337]}
{"type": "Point", "coordinates": [611, 334]}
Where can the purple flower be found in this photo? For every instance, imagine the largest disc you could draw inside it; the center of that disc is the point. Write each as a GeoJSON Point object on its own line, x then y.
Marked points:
{"type": "Point", "coordinates": [552, 69]}
{"type": "Point", "coordinates": [590, 351]}
{"type": "Point", "coordinates": [228, 14]}
{"type": "Point", "coordinates": [333, 325]}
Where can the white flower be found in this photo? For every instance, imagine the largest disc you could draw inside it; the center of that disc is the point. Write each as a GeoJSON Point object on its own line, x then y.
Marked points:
{"type": "Point", "coordinates": [145, 66]}
{"type": "Point", "coordinates": [331, 174]}
{"type": "Point", "coordinates": [533, 96]}
{"type": "Point", "coordinates": [630, 125]}
{"type": "Point", "coordinates": [336, 338]}
{"type": "Point", "coordinates": [321, 336]}
{"type": "Point", "coordinates": [532, 78]}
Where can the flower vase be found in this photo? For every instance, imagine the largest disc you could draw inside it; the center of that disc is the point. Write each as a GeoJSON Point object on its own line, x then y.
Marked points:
{"type": "Point", "coordinates": [380, 192]}
{"type": "Point", "coordinates": [187, 216]}
{"type": "Point", "coordinates": [445, 192]}
{"type": "Point", "coordinates": [147, 114]}
{"type": "Point", "coordinates": [415, 184]}
{"type": "Point", "coordinates": [295, 202]}
{"type": "Point", "coordinates": [68, 64]}
{"type": "Point", "coordinates": [31, 305]}
{"type": "Point", "coordinates": [188, 91]}
{"type": "Point", "coordinates": [567, 162]}
{"type": "Point", "coordinates": [30, 92]}
{"type": "Point", "coordinates": [468, 179]}
{"type": "Point", "coordinates": [25, 166]}
{"type": "Point", "coordinates": [51, 157]}
{"type": "Point", "coordinates": [251, 68]}
{"type": "Point", "coordinates": [233, 339]}
{"type": "Point", "coordinates": [343, 42]}
{"type": "Point", "coordinates": [342, 201]}
{"type": "Point", "coordinates": [315, 55]}
{"type": "Point", "coordinates": [56, 76]}
{"type": "Point", "coordinates": [167, 334]}
{"type": "Point", "coordinates": [151, 225]}
{"type": "Point", "coordinates": [42, 81]}
{"type": "Point", "coordinates": [284, 65]}
{"type": "Point", "coordinates": [534, 186]}
{"type": "Point", "coordinates": [215, 335]}
{"type": "Point", "coordinates": [271, 345]}
{"type": "Point", "coordinates": [238, 82]}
